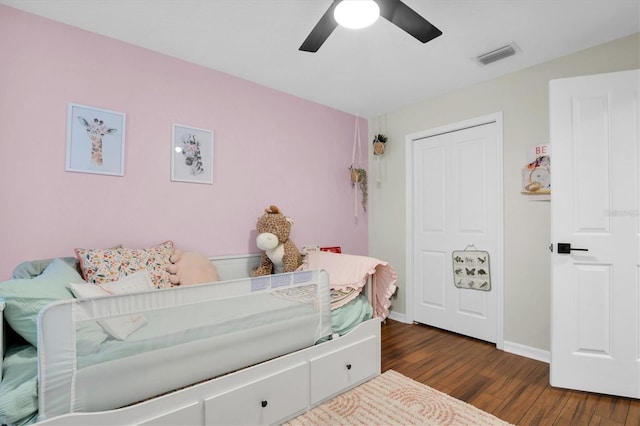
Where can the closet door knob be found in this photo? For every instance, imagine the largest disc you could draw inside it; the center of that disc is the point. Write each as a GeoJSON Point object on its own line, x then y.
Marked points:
{"type": "Point", "coordinates": [348, 366]}
{"type": "Point", "coordinates": [565, 248]}
{"type": "Point", "coordinates": [264, 403]}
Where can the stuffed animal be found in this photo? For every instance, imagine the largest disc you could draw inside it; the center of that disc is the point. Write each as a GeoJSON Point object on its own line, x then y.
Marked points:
{"type": "Point", "coordinates": [191, 268]}
{"type": "Point", "coordinates": [280, 253]}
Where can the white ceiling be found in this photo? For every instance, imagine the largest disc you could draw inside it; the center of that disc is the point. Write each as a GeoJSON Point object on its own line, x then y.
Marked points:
{"type": "Point", "coordinates": [366, 72]}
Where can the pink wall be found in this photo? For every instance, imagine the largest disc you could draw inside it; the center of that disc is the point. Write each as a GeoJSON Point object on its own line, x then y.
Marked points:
{"type": "Point", "coordinates": [270, 148]}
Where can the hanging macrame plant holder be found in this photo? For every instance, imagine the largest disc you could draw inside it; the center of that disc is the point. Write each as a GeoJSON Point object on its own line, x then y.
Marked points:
{"type": "Point", "coordinates": [355, 176]}
{"type": "Point", "coordinates": [378, 151]}
{"type": "Point", "coordinates": [379, 146]}
{"type": "Point", "coordinates": [357, 173]}
{"type": "Point", "coordinates": [376, 146]}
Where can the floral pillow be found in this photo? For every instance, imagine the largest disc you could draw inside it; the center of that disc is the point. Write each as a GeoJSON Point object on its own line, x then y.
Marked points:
{"type": "Point", "coordinates": [101, 266]}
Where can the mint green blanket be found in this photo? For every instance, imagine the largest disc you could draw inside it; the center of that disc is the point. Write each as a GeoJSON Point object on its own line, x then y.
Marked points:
{"type": "Point", "coordinates": [19, 386]}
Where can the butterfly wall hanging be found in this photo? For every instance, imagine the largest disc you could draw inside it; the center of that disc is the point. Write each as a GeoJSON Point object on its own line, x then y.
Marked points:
{"type": "Point", "coordinates": [471, 269]}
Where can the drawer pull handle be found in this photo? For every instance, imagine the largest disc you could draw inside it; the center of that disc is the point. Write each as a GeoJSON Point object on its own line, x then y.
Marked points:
{"type": "Point", "coordinates": [348, 366]}
{"type": "Point", "coordinates": [264, 403]}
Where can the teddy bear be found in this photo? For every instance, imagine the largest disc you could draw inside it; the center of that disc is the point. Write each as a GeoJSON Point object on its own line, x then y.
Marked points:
{"type": "Point", "coordinates": [280, 253]}
{"type": "Point", "coordinates": [191, 267]}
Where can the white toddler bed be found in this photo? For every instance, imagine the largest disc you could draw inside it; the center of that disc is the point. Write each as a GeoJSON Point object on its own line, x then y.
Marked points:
{"type": "Point", "coordinates": [195, 333]}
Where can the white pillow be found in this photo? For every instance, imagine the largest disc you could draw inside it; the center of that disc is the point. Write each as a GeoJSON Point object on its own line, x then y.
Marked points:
{"type": "Point", "coordinates": [138, 281]}
{"type": "Point", "coordinates": [124, 326]}
{"type": "Point", "coordinates": [81, 291]}
{"type": "Point", "coordinates": [119, 327]}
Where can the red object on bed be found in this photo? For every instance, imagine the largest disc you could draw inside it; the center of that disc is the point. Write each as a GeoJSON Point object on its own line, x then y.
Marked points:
{"type": "Point", "coordinates": [335, 249]}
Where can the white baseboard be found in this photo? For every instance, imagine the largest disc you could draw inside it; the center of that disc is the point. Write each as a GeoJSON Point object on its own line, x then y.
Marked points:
{"type": "Point", "coordinates": [510, 347]}
{"type": "Point", "coordinates": [396, 316]}
{"type": "Point", "coordinates": [527, 351]}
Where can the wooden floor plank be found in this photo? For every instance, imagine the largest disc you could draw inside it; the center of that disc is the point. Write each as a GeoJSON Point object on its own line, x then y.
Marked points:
{"type": "Point", "coordinates": [546, 409]}
{"type": "Point", "coordinates": [508, 386]}
{"type": "Point", "coordinates": [612, 408]}
{"type": "Point", "coordinates": [579, 409]}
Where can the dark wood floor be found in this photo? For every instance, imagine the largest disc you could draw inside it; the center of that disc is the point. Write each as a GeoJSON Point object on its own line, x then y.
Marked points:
{"type": "Point", "coordinates": [513, 388]}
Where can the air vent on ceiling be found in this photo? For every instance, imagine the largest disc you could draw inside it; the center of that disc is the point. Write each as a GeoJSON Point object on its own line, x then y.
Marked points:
{"type": "Point", "coordinates": [498, 54]}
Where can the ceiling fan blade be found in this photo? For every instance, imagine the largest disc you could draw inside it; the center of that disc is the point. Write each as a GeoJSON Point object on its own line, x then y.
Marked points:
{"type": "Point", "coordinates": [404, 17]}
{"type": "Point", "coordinates": [321, 31]}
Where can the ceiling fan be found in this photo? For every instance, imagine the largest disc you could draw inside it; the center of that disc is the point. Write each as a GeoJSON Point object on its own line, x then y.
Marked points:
{"type": "Point", "coordinates": [394, 11]}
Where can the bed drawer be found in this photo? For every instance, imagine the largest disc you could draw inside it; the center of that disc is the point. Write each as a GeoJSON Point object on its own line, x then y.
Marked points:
{"type": "Point", "coordinates": [266, 401]}
{"type": "Point", "coordinates": [336, 371]}
{"type": "Point", "coordinates": [188, 415]}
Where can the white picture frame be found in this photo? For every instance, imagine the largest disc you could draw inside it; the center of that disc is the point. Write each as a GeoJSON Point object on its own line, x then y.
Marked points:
{"type": "Point", "coordinates": [95, 140]}
{"type": "Point", "coordinates": [191, 154]}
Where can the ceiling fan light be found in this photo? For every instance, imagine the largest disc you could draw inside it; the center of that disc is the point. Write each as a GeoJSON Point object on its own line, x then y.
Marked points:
{"type": "Point", "coordinates": [356, 14]}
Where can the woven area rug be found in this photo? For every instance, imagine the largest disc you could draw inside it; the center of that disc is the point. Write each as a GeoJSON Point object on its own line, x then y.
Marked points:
{"type": "Point", "coordinates": [393, 399]}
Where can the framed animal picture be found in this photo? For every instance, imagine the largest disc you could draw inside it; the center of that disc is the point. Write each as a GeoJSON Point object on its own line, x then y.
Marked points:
{"type": "Point", "coordinates": [471, 269]}
{"type": "Point", "coordinates": [95, 140]}
{"type": "Point", "coordinates": [191, 154]}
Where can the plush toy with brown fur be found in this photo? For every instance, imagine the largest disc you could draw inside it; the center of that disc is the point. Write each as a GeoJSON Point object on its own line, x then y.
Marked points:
{"type": "Point", "coordinates": [280, 253]}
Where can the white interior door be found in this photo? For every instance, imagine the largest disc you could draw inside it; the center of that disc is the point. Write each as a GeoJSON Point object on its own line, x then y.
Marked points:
{"type": "Point", "coordinates": [456, 198]}
{"type": "Point", "coordinates": [595, 340]}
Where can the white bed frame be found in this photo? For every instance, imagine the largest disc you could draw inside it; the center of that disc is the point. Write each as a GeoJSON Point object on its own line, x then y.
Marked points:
{"type": "Point", "coordinates": [271, 392]}
{"type": "Point", "coordinates": [240, 266]}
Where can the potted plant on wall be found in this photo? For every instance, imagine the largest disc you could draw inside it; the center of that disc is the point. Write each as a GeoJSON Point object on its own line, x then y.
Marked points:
{"type": "Point", "coordinates": [359, 177]}
{"type": "Point", "coordinates": [378, 144]}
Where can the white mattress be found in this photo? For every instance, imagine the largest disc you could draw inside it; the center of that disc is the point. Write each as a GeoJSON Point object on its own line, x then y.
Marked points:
{"type": "Point", "coordinates": [191, 334]}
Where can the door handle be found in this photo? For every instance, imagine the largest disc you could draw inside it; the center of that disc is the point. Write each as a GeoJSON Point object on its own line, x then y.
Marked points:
{"type": "Point", "coordinates": [565, 248]}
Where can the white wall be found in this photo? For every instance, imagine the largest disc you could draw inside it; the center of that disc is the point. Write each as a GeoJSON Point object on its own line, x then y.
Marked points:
{"type": "Point", "coordinates": [523, 99]}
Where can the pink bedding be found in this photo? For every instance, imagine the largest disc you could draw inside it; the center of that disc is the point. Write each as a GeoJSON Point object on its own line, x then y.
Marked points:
{"type": "Point", "coordinates": [350, 272]}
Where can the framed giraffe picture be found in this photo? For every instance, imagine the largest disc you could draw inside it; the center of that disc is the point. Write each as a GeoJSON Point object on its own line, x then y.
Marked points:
{"type": "Point", "coordinates": [95, 140]}
{"type": "Point", "coordinates": [191, 154]}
